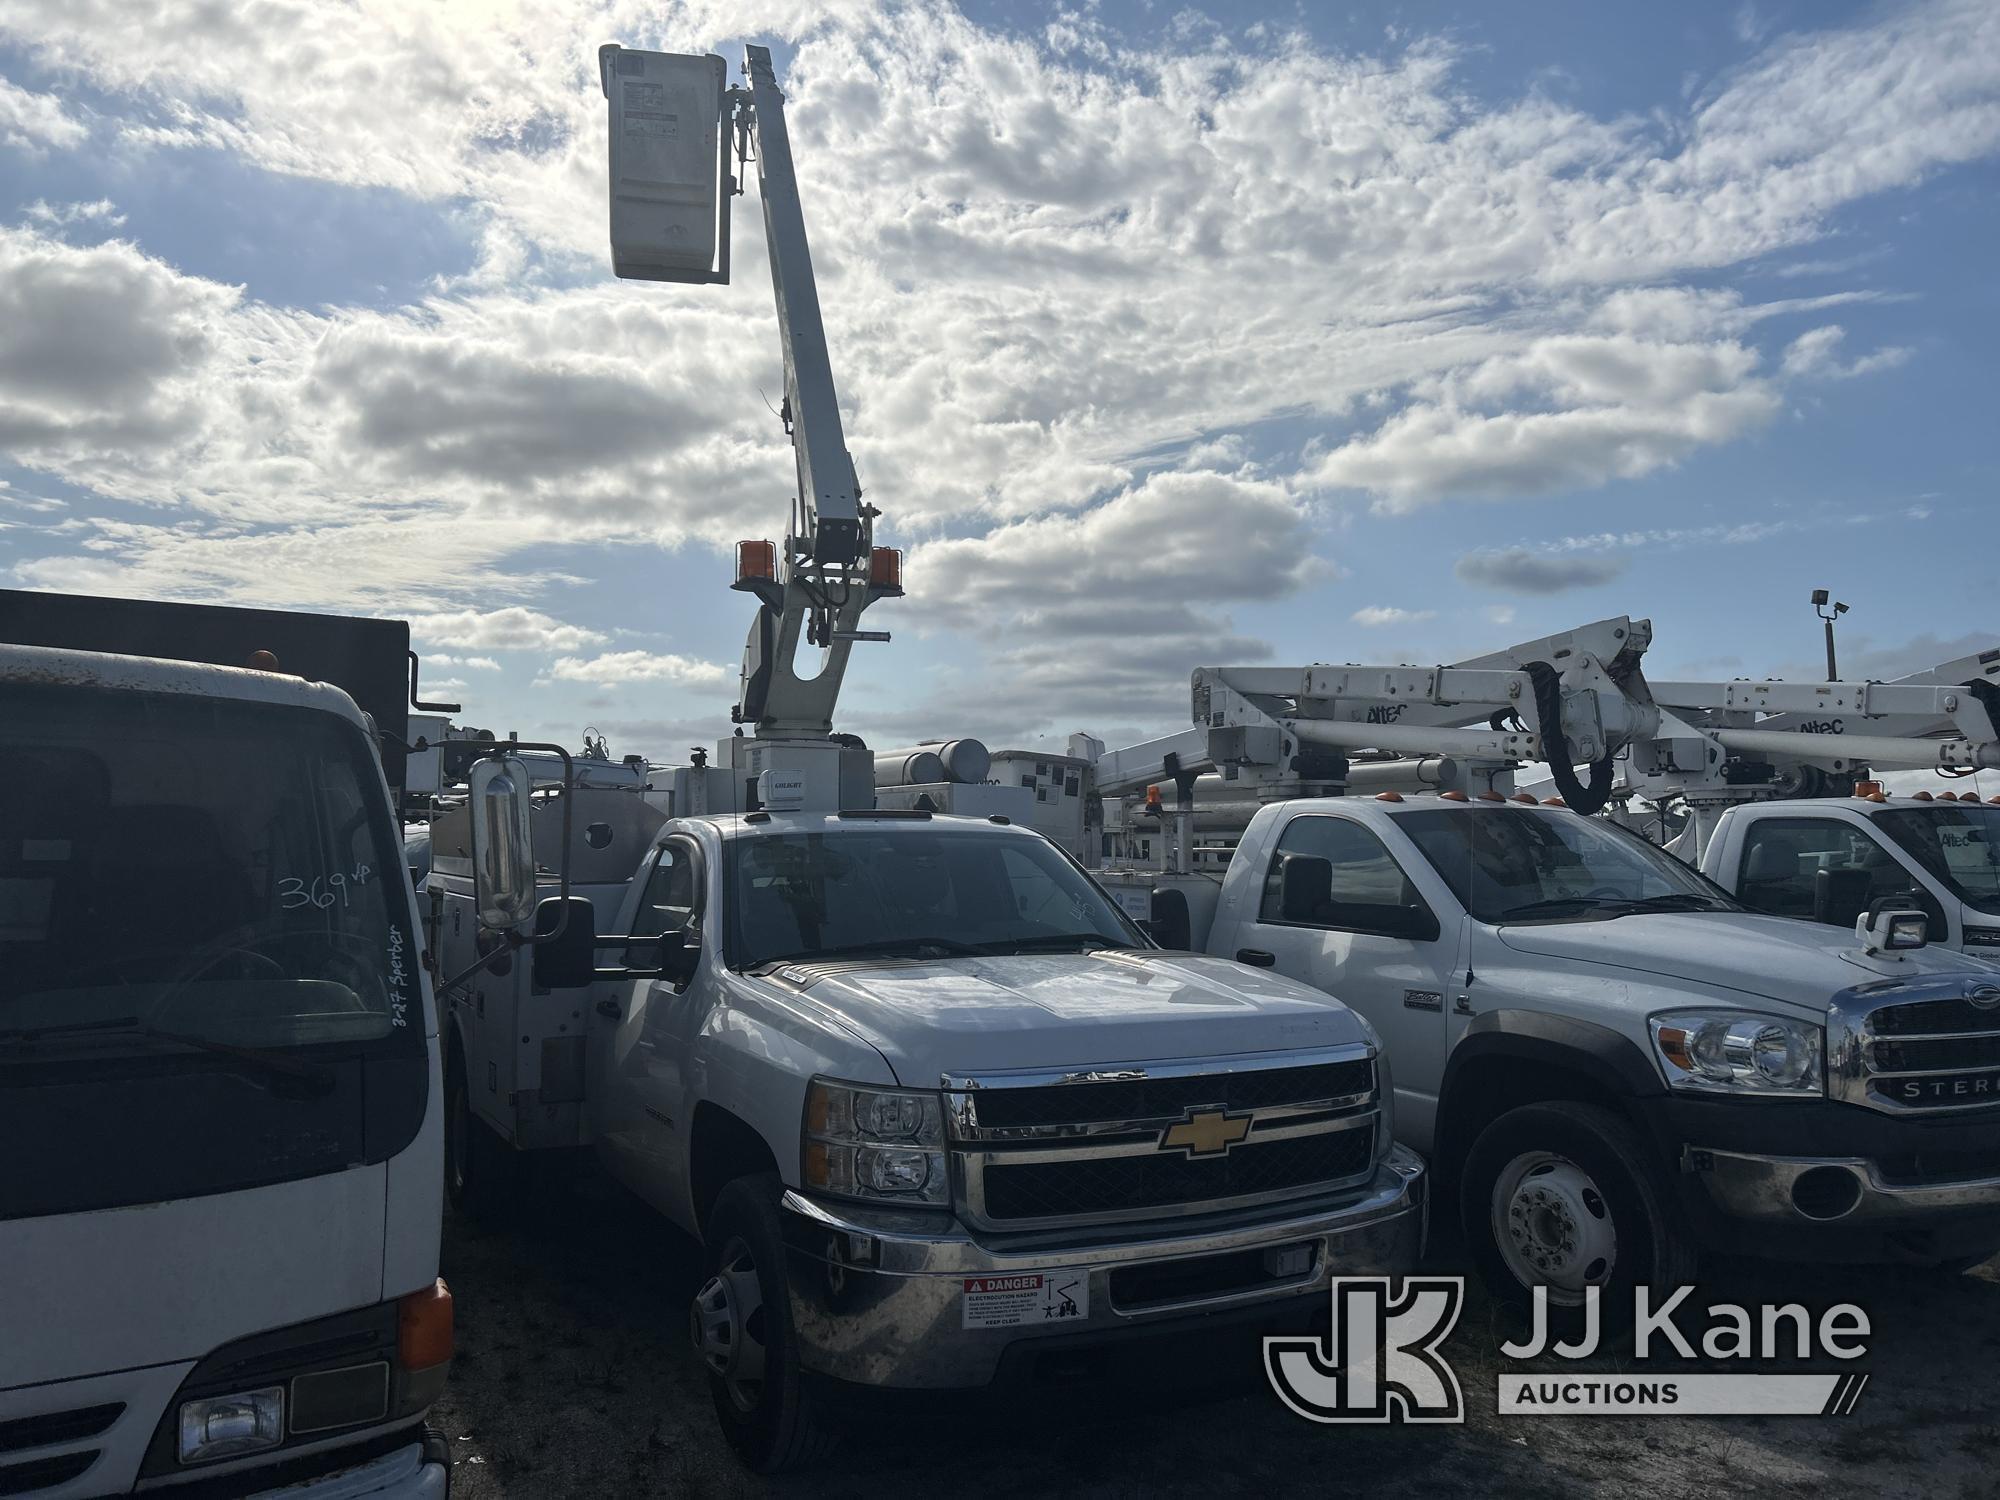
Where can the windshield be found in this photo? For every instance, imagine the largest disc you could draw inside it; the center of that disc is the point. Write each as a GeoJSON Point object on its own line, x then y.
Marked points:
{"type": "Point", "coordinates": [1519, 864]}
{"type": "Point", "coordinates": [1959, 845]}
{"type": "Point", "coordinates": [919, 891]}
{"type": "Point", "coordinates": [205, 937]}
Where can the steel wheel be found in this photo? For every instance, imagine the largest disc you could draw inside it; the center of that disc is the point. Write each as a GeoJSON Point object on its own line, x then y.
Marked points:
{"type": "Point", "coordinates": [727, 1324]}
{"type": "Point", "coordinates": [1553, 1226]}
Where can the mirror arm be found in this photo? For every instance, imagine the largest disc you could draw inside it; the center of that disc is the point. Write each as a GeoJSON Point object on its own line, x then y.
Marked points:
{"type": "Point", "coordinates": [511, 942]}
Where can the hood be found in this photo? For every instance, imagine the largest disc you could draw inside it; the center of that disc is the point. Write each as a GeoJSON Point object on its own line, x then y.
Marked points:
{"type": "Point", "coordinates": [1775, 958]}
{"type": "Point", "coordinates": [930, 1018]}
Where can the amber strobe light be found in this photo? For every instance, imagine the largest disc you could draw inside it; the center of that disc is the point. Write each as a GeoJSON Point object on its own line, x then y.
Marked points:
{"type": "Point", "coordinates": [885, 567]}
{"type": "Point", "coordinates": [756, 560]}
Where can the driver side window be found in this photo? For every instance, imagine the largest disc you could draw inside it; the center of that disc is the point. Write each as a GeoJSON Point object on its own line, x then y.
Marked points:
{"type": "Point", "coordinates": [669, 902]}
{"type": "Point", "coordinates": [1367, 891]}
{"type": "Point", "coordinates": [1821, 869]}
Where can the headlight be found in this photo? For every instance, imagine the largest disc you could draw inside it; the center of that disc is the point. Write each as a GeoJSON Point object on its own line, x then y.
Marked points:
{"type": "Point", "coordinates": [1735, 1052]}
{"type": "Point", "coordinates": [880, 1145]}
{"type": "Point", "coordinates": [221, 1426]}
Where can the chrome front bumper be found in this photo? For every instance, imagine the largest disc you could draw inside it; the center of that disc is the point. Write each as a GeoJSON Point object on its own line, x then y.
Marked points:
{"type": "Point", "coordinates": [1768, 1188]}
{"type": "Point", "coordinates": [877, 1297]}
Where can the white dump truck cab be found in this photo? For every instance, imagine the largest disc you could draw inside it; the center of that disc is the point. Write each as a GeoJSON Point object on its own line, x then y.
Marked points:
{"type": "Point", "coordinates": [219, 1086]}
{"type": "Point", "coordinates": [1828, 859]}
{"type": "Point", "coordinates": [946, 1120]}
{"type": "Point", "coordinates": [1616, 1063]}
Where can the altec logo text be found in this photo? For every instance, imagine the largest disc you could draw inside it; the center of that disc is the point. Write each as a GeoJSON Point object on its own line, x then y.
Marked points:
{"type": "Point", "coordinates": [1383, 1361]}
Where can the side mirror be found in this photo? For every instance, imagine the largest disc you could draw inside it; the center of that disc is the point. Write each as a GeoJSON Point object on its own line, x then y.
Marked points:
{"type": "Point", "coordinates": [680, 954]}
{"type": "Point", "coordinates": [1840, 896]}
{"type": "Point", "coordinates": [566, 960]}
{"type": "Point", "coordinates": [1305, 885]}
{"type": "Point", "coordinates": [1170, 926]}
{"type": "Point", "coordinates": [503, 845]}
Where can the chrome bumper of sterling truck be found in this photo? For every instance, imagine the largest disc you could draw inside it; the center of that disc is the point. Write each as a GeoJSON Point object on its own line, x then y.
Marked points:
{"type": "Point", "coordinates": [899, 1300]}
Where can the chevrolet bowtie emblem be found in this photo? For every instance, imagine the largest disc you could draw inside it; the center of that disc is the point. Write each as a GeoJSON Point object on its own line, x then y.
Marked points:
{"type": "Point", "coordinates": [1209, 1133]}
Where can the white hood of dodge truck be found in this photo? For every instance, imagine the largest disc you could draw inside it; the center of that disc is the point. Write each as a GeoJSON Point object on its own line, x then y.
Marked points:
{"type": "Point", "coordinates": [957, 1016]}
{"type": "Point", "coordinates": [1775, 958]}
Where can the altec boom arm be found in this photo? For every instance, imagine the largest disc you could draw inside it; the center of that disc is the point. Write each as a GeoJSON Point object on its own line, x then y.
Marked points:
{"type": "Point", "coordinates": [670, 222]}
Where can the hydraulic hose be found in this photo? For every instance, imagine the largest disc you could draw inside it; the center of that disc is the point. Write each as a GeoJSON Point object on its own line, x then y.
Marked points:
{"type": "Point", "coordinates": [1582, 798]}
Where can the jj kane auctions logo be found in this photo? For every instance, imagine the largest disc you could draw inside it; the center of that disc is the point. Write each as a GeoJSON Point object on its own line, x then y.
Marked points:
{"type": "Point", "coordinates": [1383, 1362]}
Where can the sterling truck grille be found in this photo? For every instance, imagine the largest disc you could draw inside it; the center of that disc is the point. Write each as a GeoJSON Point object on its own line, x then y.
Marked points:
{"type": "Point", "coordinates": [1907, 1055]}
{"type": "Point", "coordinates": [1156, 1140]}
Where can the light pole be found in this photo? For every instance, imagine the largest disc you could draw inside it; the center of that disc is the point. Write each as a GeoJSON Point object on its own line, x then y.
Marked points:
{"type": "Point", "coordinates": [1819, 599]}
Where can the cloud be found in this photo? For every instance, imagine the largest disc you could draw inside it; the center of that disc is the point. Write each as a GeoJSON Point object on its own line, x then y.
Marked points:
{"type": "Point", "coordinates": [1813, 355]}
{"type": "Point", "coordinates": [510, 629]}
{"type": "Point", "coordinates": [1374, 615]}
{"type": "Point", "coordinates": [99, 211]}
{"type": "Point", "coordinates": [31, 122]}
{"type": "Point", "coordinates": [1516, 570]}
{"type": "Point", "coordinates": [617, 667]}
{"type": "Point", "coordinates": [1598, 408]}
{"type": "Point", "coordinates": [1107, 259]}
{"type": "Point", "coordinates": [1865, 659]}
{"type": "Point", "coordinates": [100, 349]}
{"type": "Point", "coordinates": [471, 663]}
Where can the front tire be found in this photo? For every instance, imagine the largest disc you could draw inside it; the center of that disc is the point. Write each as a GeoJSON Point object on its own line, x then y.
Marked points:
{"type": "Point", "coordinates": [742, 1328]}
{"type": "Point", "coordinates": [481, 1175]}
{"type": "Point", "coordinates": [1566, 1195]}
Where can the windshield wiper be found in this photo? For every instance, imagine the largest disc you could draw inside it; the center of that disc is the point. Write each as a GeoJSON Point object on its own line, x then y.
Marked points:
{"type": "Point", "coordinates": [1558, 905]}
{"type": "Point", "coordinates": [1681, 901]}
{"type": "Point", "coordinates": [1056, 941]}
{"type": "Point", "coordinates": [881, 948]}
{"type": "Point", "coordinates": [265, 1059]}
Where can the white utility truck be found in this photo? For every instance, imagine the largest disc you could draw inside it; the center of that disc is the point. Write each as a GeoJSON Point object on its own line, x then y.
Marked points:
{"type": "Point", "coordinates": [1615, 1062]}
{"type": "Point", "coordinates": [1828, 859]}
{"type": "Point", "coordinates": [941, 1115]}
{"type": "Point", "coordinates": [219, 1069]}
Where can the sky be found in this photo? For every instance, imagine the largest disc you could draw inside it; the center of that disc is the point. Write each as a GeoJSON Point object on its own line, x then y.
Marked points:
{"type": "Point", "coordinates": [1165, 337]}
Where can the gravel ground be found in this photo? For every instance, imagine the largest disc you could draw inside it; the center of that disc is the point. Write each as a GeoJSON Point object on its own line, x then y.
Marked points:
{"type": "Point", "coordinates": [574, 1377]}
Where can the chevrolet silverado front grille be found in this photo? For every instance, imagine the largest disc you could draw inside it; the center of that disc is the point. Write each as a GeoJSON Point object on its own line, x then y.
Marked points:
{"type": "Point", "coordinates": [1152, 1140]}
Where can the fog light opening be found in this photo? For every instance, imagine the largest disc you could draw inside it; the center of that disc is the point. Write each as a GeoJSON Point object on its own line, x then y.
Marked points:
{"type": "Point", "coordinates": [1826, 1192]}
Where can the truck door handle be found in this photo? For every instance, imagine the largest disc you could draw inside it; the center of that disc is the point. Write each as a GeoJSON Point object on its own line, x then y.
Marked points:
{"type": "Point", "coordinates": [610, 1010]}
{"type": "Point", "coordinates": [1257, 958]}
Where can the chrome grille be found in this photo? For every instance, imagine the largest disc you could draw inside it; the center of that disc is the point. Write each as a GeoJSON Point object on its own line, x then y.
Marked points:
{"type": "Point", "coordinates": [1927, 1046]}
{"type": "Point", "coordinates": [1042, 1150]}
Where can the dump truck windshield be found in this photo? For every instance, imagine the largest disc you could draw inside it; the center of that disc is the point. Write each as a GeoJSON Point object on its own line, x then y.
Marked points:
{"type": "Point", "coordinates": [911, 892]}
{"type": "Point", "coordinates": [205, 938]}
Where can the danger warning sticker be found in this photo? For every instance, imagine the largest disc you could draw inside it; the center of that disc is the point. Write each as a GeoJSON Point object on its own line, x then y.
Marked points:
{"type": "Point", "coordinates": [1016, 1301]}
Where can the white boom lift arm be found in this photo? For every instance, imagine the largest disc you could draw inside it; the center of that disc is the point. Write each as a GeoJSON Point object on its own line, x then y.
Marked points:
{"type": "Point", "coordinates": [1578, 698]}
{"type": "Point", "coordinates": [1721, 743]}
{"type": "Point", "coordinates": [672, 124]}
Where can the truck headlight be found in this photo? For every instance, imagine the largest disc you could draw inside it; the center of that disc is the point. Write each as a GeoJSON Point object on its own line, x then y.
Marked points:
{"type": "Point", "coordinates": [880, 1145]}
{"type": "Point", "coordinates": [1737, 1052]}
{"type": "Point", "coordinates": [222, 1426]}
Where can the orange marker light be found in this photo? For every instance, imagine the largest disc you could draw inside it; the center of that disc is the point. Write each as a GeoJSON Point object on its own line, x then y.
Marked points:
{"type": "Point", "coordinates": [1922, 797]}
{"type": "Point", "coordinates": [423, 1328]}
{"type": "Point", "coordinates": [263, 661]}
{"type": "Point", "coordinates": [1554, 802]}
{"type": "Point", "coordinates": [1867, 788]}
{"type": "Point", "coordinates": [1489, 795]}
{"type": "Point", "coordinates": [1526, 797]}
{"type": "Point", "coordinates": [1388, 796]}
{"type": "Point", "coordinates": [1454, 797]}
{"type": "Point", "coordinates": [756, 560]}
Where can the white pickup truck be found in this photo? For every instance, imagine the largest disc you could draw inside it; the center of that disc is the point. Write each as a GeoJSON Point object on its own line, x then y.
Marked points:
{"type": "Point", "coordinates": [1826, 859]}
{"type": "Point", "coordinates": [943, 1117]}
{"type": "Point", "coordinates": [1616, 1063]}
